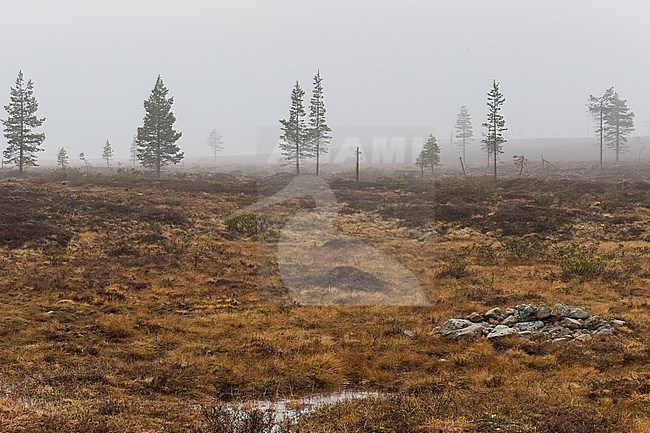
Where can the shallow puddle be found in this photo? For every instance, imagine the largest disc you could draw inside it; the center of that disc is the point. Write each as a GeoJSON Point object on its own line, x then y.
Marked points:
{"type": "Point", "coordinates": [292, 409]}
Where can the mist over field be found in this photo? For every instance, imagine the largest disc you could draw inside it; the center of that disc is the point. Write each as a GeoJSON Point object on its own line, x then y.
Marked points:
{"type": "Point", "coordinates": [324, 216]}
{"type": "Point", "coordinates": [231, 66]}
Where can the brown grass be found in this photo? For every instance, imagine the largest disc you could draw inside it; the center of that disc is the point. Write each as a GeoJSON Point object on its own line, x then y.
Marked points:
{"type": "Point", "coordinates": [126, 303]}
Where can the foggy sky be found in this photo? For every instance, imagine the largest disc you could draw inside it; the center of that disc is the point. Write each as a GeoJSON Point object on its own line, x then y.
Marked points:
{"type": "Point", "coordinates": [231, 64]}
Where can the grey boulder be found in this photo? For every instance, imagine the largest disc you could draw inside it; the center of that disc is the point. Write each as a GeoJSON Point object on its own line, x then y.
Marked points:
{"type": "Point", "coordinates": [453, 325]}
{"type": "Point", "coordinates": [494, 313]}
{"type": "Point", "coordinates": [474, 317]}
{"type": "Point", "coordinates": [470, 332]}
{"type": "Point", "coordinates": [563, 311]}
{"type": "Point", "coordinates": [529, 326]}
{"type": "Point", "coordinates": [525, 313]}
{"type": "Point", "coordinates": [570, 323]}
{"type": "Point", "coordinates": [543, 312]}
{"type": "Point", "coordinates": [594, 322]}
{"type": "Point", "coordinates": [501, 331]}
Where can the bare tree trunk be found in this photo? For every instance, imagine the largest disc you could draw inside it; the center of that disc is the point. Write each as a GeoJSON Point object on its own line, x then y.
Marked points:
{"type": "Point", "coordinates": [495, 149]}
{"type": "Point", "coordinates": [618, 137]}
{"type": "Point", "coordinates": [22, 143]}
{"type": "Point", "coordinates": [464, 158]}
{"type": "Point", "coordinates": [358, 153]}
{"type": "Point", "coordinates": [601, 134]}
{"type": "Point", "coordinates": [317, 157]}
{"type": "Point", "coordinates": [158, 159]}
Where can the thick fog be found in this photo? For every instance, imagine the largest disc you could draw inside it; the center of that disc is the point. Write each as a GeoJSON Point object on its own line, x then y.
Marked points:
{"type": "Point", "coordinates": [231, 64]}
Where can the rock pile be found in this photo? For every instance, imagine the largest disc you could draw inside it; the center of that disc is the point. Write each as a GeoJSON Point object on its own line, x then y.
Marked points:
{"type": "Point", "coordinates": [561, 323]}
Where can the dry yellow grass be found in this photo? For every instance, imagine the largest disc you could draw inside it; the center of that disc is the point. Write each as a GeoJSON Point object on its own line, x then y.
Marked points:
{"type": "Point", "coordinates": [131, 303]}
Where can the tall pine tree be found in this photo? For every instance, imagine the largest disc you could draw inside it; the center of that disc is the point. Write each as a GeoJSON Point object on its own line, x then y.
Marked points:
{"type": "Point", "coordinates": [464, 130]}
{"type": "Point", "coordinates": [107, 153]}
{"type": "Point", "coordinates": [422, 161]}
{"type": "Point", "coordinates": [619, 123]}
{"type": "Point", "coordinates": [493, 140]}
{"type": "Point", "coordinates": [597, 106]}
{"type": "Point", "coordinates": [156, 137]}
{"type": "Point", "coordinates": [62, 158]}
{"type": "Point", "coordinates": [215, 142]}
{"type": "Point", "coordinates": [293, 141]}
{"type": "Point", "coordinates": [432, 152]}
{"type": "Point", "coordinates": [21, 121]}
{"type": "Point", "coordinates": [429, 155]}
{"type": "Point", "coordinates": [318, 131]}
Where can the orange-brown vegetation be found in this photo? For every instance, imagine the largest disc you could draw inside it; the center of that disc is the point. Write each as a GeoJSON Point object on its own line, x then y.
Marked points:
{"type": "Point", "coordinates": [127, 304]}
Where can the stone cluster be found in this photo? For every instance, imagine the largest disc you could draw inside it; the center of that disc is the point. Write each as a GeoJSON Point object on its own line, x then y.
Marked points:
{"type": "Point", "coordinates": [560, 323]}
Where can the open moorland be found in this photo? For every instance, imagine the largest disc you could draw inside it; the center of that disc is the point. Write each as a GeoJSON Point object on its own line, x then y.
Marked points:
{"type": "Point", "coordinates": [130, 304]}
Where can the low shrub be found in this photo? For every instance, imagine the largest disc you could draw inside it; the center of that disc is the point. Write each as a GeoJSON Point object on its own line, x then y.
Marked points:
{"type": "Point", "coordinates": [248, 224]}
{"type": "Point", "coordinates": [579, 261]}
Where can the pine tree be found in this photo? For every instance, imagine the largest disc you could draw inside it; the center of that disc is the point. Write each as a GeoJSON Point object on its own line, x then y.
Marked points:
{"type": "Point", "coordinates": [464, 130]}
{"type": "Point", "coordinates": [293, 141]}
{"type": "Point", "coordinates": [493, 140]}
{"type": "Point", "coordinates": [215, 141]}
{"type": "Point", "coordinates": [422, 161]}
{"type": "Point", "coordinates": [107, 153]}
{"type": "Point", "coordinates": [19, 126]}
{"type": "Point", "coordinates": [62, 158]}
{"type": "Point", "coordinates": [157, 137]}
{"type": "Point", "coordinates": [134, 150]}
{"type": "Point", "coordinates": [432, 152]}
{"type": "Point", "coordinates": [597, 106]}
{"type": "Point", "coordinates": [618, 124]}
{"type": "Point", "coordinates": [429, 155]}
{"type": "Point", "coordinates": [318, 130]}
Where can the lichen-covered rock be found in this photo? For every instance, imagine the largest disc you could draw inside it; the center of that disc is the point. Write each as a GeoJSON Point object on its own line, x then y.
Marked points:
{"type": "Point", "coordinates": [475, 317]}
{"type": "Point", "coordinates": [501, 331]}
{"type": "Point", "coordinates": [453, 325]}
{"type": "Point", "coordinates": [494, 313]}
{"type": "Point", "coordinates": [594, 322]}
{"type": "Point", "coordinates": [471, 332]}
{"type": "Point", "coordinates": [460, 329]}
{"type": "Point", "coordinates": [543, 312]}
{"type": "Point", "coordinates": [605, 332]}
{"type": "Point", "coordinates": [525, 313]}
{"type": "Point", "coordinates": [559, 331]}
{"type": "Point", "coordinates": [562, 311]}
{"type": "Point", "coordinates": [529, 326]}
{"type": "Point", "coordinates": [570, 323]}
{"type": "Point", "coordinates": [541, 323]}
{"type": "Point", "coordinates": [578, 313]}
